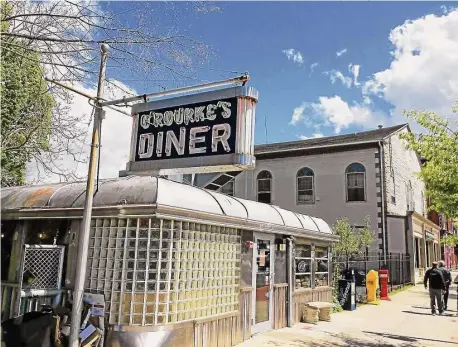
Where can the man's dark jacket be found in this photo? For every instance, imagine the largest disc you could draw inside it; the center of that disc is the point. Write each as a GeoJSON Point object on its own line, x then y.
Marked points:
{"type": "Point", "coordinates": [435, 278]}
{"type": "Point", "coordinates": [447, 276]}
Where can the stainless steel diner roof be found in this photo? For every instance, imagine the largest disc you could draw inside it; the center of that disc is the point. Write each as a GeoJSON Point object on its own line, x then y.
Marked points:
{"type": "Point", "coordinates": [143, 190]}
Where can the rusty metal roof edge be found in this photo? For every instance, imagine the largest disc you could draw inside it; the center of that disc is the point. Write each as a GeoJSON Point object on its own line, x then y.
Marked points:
{"type": "Point", "coordinates": [258, 225]}
{"type": "Point", "coordinates": [177, 213]}
{"type": "Point", "coordinates": [75, 212]}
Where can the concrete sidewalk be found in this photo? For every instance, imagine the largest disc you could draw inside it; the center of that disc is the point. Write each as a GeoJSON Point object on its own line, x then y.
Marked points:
{"type": "Point", "coordinates": [405, 321]}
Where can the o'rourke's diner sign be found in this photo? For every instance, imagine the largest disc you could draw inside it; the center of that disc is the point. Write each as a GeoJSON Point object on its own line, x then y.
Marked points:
{"type": "Point", "coordinates": [206, 132]}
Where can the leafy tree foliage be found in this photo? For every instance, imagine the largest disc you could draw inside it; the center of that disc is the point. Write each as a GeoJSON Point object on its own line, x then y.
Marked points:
{"type": "Point", "coordinates": [26, 109]}
{"type": "Point", "coordinates": [450, 240]}
{"type": "Point", "coordinates": [439, 147]}
{"type": "Point", "coordinates": [352, 241]}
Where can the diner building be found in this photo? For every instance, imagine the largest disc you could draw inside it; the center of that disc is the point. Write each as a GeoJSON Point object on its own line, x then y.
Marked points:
{"type": "Point", "coordinates": [369, 173]}
{"type": "Point", "coordinates": [177, 265]}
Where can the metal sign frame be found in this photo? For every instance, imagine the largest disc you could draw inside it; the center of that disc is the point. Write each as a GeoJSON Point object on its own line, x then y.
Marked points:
{"type": "Point", "coordinates": [241, 157]}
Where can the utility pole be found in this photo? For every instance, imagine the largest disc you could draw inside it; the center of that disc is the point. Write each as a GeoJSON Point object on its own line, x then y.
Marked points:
{"type": "Point", "coordinates": [83, 238]}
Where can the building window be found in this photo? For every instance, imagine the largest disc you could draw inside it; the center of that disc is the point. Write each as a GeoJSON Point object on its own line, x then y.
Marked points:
{"type": "Point", "coordinates": [356, 177]}
{"type": "Point", "coordinates": [409, 197]}
{"type": "Point", "coordinates": [321, 267]}
{"type": "Point", "coordinates": [303, 263]}
{"type": "Point", "coordinates": [265, 187]}
{"type": "Point", "coordinates": [305, 186]}
{"type": "Point", "coordinates": [228, 188]}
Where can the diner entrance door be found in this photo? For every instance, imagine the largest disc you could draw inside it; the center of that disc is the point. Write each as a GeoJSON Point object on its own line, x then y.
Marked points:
{"type": "Point", "coordinates": [263, 281]}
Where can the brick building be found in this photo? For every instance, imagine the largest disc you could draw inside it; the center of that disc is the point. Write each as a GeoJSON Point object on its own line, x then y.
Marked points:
{"type": "Point", "coordinates": [355, 175]}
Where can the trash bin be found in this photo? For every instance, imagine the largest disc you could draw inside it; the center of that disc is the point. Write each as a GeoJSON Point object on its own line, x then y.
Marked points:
{"type": "Point", "coordinates": [347, 291]}
{"type": "Point", "coordinates": [360, 278]}
{"type": "Point", "coordinates": [32, 329]}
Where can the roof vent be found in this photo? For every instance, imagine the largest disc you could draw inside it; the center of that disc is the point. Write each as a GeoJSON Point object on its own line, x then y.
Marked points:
{"type": "Point", "coordinates": [380, 126]}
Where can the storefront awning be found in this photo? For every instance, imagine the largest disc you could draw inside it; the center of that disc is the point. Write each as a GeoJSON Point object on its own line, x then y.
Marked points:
{"type": "Point", "coordinates": [160, 193]}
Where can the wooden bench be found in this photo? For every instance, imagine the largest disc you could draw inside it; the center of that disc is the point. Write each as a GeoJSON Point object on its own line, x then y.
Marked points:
{"type": "Point", "coordinates": [315, 311]}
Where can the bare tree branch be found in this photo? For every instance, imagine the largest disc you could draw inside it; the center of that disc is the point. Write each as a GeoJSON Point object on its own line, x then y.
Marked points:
{"type": "Point", "coordinates": [65, 36]}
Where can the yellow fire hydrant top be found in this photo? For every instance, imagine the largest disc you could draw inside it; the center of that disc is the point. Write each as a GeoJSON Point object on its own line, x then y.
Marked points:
{"type": "Point", "coordinates": [371, 286]}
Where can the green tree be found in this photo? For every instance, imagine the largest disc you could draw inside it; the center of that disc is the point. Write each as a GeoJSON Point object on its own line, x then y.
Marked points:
{"type": "Point", "coordinates": [439, 147]}
{"type": "Point", "coordinates": [26, 108]}
{"type": "Point", "coordinates": [65, 37]}
{"type": "Point", "coordinates": [352, 240]}
{"type": "Point", "coordinates": [450, 240]}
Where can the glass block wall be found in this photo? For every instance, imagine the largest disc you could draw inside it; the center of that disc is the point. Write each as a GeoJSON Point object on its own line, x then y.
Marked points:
{"type": "Point", "coordinates": [155, 272]}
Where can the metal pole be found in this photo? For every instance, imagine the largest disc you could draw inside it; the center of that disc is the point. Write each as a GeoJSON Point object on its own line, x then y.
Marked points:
{"type": "Point", "coordinates": [83, 239]}
{"type": "Point", "coordinates": [79, 92]}
{"type": "Point", "coordinates": [241, 79]}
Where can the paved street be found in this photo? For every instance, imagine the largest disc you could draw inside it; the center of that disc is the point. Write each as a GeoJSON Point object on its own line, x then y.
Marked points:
{"type": "Point", "coordinates": [405, 321]}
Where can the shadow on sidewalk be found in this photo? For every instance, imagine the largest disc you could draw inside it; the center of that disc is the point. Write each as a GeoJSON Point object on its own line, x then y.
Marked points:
{"type": "Point", "coordinates": [414, 340]}
{"type": "Point", "coordinates": [429, 309]}
{"type": "Point", "coordinates": [445, 314]}
{"type": "Point", "coordinates": [342, 340]}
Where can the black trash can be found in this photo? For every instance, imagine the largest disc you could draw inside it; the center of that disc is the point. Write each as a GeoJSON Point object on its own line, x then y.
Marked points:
{"type": "Point", "coordinates": [32, 329]}
{"type": "Point", "coordinates": [347, 294]}
{"type": "Point", "coordinates": [360, 278]}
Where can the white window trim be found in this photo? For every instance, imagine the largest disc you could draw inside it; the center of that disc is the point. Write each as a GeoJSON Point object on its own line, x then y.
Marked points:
{"type": "Point", "coordinates": [364, 187]}
{"type": "Point", "coordinates": [264, 179]}
{"type": "Point", "coordinates": [297, 190]}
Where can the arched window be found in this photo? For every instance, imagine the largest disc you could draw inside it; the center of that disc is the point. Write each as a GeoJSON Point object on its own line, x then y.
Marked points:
{"type": "Point", "coordinates": [356, 179]}
{"type": "Point", "coordinates": [305, 186]}
{"type": "Point", "coordinates": [264, 187]}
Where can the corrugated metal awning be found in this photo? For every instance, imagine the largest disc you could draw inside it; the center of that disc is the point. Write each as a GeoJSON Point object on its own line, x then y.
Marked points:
{"type": "Point", "coordinates": [143, 190]}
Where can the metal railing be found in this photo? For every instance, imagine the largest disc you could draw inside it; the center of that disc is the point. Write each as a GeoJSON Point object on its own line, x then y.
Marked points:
{"type": "Point", "coordinates": [397, 264]}
{"type": "Point", "coordinates": [16, 302]}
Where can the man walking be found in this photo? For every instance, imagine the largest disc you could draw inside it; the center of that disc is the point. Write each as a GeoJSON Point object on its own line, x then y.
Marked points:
{"type": "Point", "coordinates": [448, 280]}
{"type": "Point", "coordinates": [436, 286]}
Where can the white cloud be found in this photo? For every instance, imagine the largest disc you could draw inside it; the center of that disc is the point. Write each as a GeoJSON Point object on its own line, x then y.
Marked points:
{"type": "Point", "coordinates": [424, 71]}
{"type": "Point", "coordinates": [313, 67]}
{"type": "Point", "coordinates": [294, 55]}
{"type": "Point", "coordinates": [347, 81]}
{"type": "Point", "coordinates": [298, 114]}
{"type": "Point", "coordinates": [354, 70]}
{"type": "Point", "coordinates": [335, 75]}
{"type": "Point", "coordinates": [446, 9]}
{"type": "Point", "coordinates": [115, 137]}
{"type": "Point", "coordinates": [339, 53]}
{"type": "Point", "coordinates": [367, 100]}
{"type": "Point", "coordinates": [314, 136]}
{"type": "Point", "coordinates": [335, 112]}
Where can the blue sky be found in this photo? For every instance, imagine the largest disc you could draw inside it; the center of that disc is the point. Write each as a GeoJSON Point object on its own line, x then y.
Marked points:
{"type": "Point", "coordinates": [396, 56]}
{"type": "Point", "coordinates": [252, 36]}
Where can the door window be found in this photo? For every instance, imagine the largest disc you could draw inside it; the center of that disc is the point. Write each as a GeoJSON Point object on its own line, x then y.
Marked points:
{"type": "Point", "coordinates": [262, 281]}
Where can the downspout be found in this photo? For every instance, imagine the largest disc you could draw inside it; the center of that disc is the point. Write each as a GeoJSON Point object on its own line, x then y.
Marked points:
{"type": "Point", "coordinates": [382, 189]}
